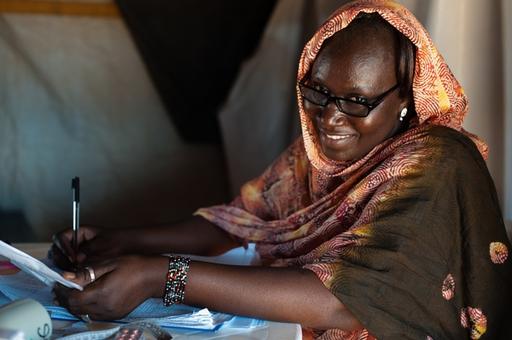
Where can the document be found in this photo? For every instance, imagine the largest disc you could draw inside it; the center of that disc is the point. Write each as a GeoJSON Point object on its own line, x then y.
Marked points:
{"type": "Point", "coordinates": [34, 267]}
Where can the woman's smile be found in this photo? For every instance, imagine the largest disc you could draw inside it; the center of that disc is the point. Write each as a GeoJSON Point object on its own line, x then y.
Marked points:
{"type": "Point", "coordinates": [336, 140]}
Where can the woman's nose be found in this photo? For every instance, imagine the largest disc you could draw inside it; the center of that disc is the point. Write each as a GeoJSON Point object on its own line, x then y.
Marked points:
{"type": "Point", "coordinates": [332, 115]}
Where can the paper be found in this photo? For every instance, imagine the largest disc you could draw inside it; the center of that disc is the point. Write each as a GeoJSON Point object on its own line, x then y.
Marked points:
{"type": "Point", "coordinates": [34, 267]}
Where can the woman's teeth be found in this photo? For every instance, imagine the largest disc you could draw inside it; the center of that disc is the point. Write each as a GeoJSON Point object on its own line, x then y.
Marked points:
{"type": "Point", "coordinates": [338, 137]}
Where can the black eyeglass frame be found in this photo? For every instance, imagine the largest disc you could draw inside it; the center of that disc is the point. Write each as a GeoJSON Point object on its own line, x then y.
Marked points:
{"type": "Point", "coordinates": [370, 106]}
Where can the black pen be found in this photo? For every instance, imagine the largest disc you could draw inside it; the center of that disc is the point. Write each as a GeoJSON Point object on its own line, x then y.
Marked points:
{"type": "Point", "coordinates": [75, 187]}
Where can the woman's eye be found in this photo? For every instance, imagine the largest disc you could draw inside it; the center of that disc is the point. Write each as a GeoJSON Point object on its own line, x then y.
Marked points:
{"type": "Point", "coordinates": [360, 100]}
{"type": "Point", "coordinates": [321, 89]}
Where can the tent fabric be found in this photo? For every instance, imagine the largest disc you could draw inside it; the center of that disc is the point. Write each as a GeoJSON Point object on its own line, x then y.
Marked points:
{"type": "Point", "coordinates": [76, 100]}
{"type": "Point", "coordinates": [193, 50]}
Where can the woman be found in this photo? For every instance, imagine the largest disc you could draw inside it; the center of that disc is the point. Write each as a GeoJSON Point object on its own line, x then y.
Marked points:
{"type": "Point", "coordinates": [381, 221]}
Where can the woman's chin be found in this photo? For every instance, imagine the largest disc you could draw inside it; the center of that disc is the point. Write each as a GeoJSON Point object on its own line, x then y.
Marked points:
{"type": "Point", "coordinates": [339, 150]}
{"type": "Point", "coordinates": [337, 155]}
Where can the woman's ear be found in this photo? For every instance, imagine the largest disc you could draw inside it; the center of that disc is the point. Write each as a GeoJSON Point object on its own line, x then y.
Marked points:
{"type": "Point", "coordinates": [404, 102]}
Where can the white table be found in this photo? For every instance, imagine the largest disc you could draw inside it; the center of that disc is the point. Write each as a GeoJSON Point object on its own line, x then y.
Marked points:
{"type": "Point", "coordinates": [272, 330]}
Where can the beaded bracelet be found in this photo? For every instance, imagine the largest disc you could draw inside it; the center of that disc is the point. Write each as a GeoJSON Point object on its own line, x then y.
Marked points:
{"type": "Point", "coordinates": [176, 280]}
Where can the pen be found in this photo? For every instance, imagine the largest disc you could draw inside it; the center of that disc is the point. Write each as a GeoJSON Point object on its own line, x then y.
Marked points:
{"type": "Point", "coordinates": [75, 187]}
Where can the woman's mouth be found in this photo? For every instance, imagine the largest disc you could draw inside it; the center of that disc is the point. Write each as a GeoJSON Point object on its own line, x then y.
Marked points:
{"type": "Point", "coordinates": [337, 137]}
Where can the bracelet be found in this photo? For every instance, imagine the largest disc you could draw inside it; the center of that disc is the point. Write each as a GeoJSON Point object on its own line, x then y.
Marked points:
{"type": "Point", "coordinates": [176, 280]}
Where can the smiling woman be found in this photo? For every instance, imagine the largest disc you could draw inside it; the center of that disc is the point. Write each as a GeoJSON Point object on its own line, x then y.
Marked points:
{"type": "Point", "coordinates": [381, 221]}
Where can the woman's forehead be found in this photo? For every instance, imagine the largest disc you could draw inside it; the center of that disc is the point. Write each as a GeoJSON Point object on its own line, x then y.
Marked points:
{"type": "Point", "coordinates": [359, 60]}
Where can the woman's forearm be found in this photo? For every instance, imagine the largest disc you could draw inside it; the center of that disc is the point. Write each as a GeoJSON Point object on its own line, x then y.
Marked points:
{"type": "Point", "coordinates": [280, 294]}
{"type": "Point", "coordinates": [194, 236]}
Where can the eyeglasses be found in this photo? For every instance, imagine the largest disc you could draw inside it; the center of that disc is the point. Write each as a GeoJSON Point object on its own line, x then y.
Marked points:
{"type": "Point", "coordinates": [348, 106]}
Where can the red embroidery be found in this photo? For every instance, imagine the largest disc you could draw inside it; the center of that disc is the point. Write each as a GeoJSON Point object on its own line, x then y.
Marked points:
{"type": "Point", "coordinates": [498, 252]}
{"type": "Point", "coordinates": [475, 319]}
{"type": "Point", "coordinates": [448, 288]}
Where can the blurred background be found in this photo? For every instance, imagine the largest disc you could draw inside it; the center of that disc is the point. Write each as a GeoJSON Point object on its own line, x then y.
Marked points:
{"type": "Point", "coordinates": [161, 107]}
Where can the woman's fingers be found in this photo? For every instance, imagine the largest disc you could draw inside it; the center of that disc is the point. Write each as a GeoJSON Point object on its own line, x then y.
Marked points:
{"type": "Point", "coordinates": [63, 295]}
{"type": "Point", "coordinates": [62, 242]}
{"type": "Point", "coordinates": [102, 246]}
{"type": "Point", "coordinates": [71, 298]}
{"type": "Point", "coordinates": [59, 258]}
{"type": "Point", "coordinates": [95, 300]}
{"type": "Point", "coordinates": [93, 310]}
{"type": "Point", "coordinates": [76, 302]}
{"type": "Point", "coordinates": [63, 245]}
{"type": "Point", "coordinates": [91, 248]}
{"type": "Point", "coordinates": [91, 273]}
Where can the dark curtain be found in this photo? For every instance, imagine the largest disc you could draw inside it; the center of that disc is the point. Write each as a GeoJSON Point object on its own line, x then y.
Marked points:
{"type": "Point", "coordinates": [193, 50]}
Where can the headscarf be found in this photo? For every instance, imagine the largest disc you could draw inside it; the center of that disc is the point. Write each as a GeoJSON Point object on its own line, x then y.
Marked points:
{"type": "Point", "coordinates": [438, 97]}
{"type": "Point", "coordinates": [399, 233]}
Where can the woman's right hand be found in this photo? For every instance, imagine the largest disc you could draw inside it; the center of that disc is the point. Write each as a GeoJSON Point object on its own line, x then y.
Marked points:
{"type": "Point", "coordinates": [94, 244]}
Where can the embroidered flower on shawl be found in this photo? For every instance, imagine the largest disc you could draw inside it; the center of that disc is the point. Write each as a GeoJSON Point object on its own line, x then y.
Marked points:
{"type": "Point", "coordinates": [448, 288]}
{"type": "Point", "coordinates": [498, 252]}
{"type": "Point", "coordinates": [475, 319]}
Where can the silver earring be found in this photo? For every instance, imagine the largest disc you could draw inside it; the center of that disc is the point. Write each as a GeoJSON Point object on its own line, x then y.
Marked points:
{"type": "Point", "coordinates": [403, 113]}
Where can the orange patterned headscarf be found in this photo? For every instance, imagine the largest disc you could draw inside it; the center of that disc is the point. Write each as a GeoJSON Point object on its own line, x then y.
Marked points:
{"type": "Point", "coordinates": [438, 97]}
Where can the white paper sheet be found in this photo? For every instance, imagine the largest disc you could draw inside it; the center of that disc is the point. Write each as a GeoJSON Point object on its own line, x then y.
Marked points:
{"type": "Point", "coordinates": [34, 267]}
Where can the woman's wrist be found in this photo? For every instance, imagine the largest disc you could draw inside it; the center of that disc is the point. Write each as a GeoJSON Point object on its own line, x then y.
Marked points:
{"type": "Point", "coordinates": [152, 270]}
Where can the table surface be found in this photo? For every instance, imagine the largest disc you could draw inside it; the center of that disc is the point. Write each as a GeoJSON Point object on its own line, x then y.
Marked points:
{"type": "Point", "coordinates": [272, 330]}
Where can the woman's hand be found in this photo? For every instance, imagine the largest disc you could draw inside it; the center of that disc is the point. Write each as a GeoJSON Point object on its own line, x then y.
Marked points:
{"type": "Point", "coordinates": [120, 285]}
{"type": "Point", "coordinates": [94, 244]}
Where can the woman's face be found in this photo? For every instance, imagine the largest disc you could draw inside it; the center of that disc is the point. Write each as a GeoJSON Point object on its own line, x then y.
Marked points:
{"type": "Point", "coordinates": [359, 67]}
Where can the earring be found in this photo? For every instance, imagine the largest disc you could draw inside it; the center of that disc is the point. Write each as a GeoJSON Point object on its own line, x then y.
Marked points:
{"type": "Point", "coordinates": [403, 113]}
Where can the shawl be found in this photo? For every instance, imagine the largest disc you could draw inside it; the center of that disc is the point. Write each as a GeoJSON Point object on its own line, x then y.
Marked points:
{"type": "Point", "coordinates": [410, 238]}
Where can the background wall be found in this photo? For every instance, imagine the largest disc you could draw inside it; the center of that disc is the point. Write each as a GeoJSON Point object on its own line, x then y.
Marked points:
{"type": "Point", "coordinates": [76, 100]}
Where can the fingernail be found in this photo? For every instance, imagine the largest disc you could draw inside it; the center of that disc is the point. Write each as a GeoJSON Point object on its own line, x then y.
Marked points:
{"type": "Point", "coordinates": [69, 275]}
